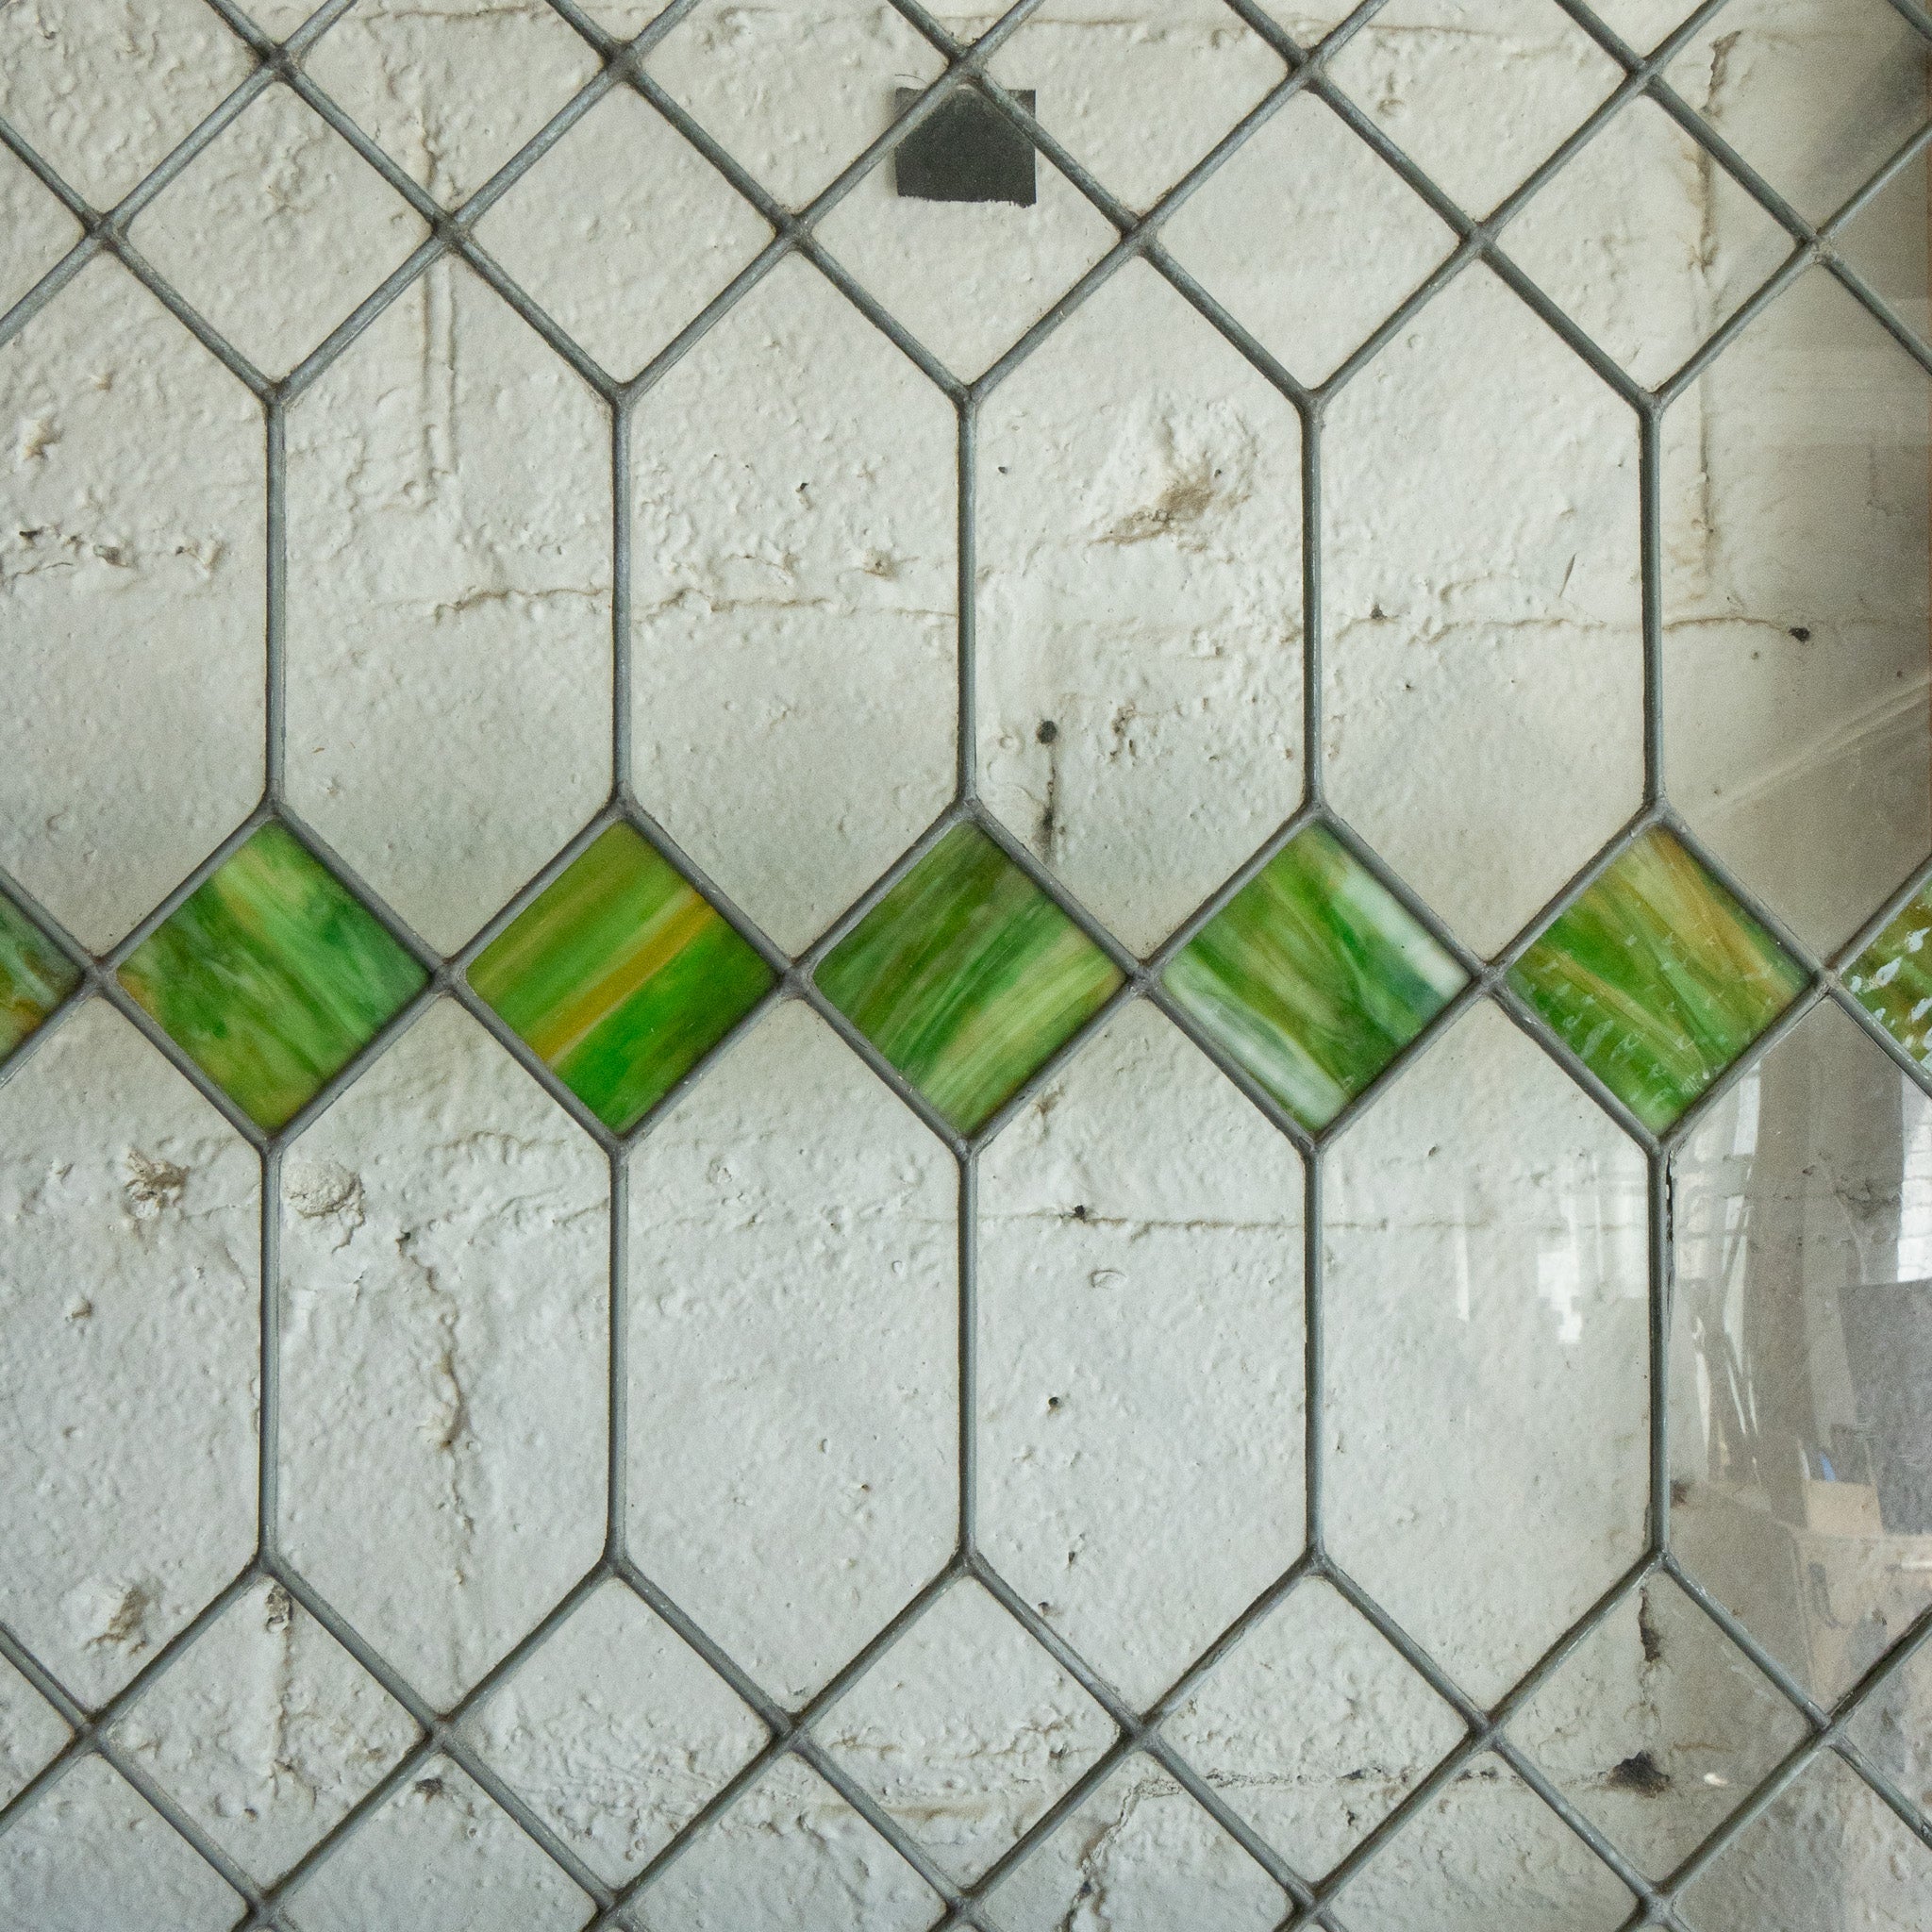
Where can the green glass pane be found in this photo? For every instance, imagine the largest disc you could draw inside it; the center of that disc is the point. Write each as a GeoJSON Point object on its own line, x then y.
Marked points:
{"type": "Point", "coordinates": [1657, 978]}
{"type": "Point", "coordinates": [620, 977]}
{"type": "Point", "coordinates": [35, 977]}
{"type": "Point", "coordinates": [1892, 979]}
{"type": "Point", "coordinates": [966, 977]}
{"type": "Point", "coordinates": [271, 976]}
{"type": "Point", "coordinates": [1313, 977]}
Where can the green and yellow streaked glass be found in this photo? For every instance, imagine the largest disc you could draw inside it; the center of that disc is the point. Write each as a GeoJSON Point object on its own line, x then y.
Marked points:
{"type": "Point", "coordinates": [35, 977]}
{"type": "Point", "coordinates": [271, 976]}
{"type": "Point", "coordinates": [620, 977]}
{"type": "Point", "coordinates": [1892, 979]}
{"type": "Point", "coordinates": [1313, 977]}
{"type": "Point", "coordinates": [966, 977]}
{"type": "Point", "coordinates": [1657, 978]}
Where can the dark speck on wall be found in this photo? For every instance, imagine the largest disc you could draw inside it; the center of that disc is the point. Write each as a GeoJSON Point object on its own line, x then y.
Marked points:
{"type": "Point", "coordinates": [1641, 1774]}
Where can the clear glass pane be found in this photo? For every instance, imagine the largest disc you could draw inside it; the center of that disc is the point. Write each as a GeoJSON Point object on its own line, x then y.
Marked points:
{"type": "Point", "coordinates": [1485, 1291]}
{"type": "Point", "coordinates": [1801, 1464]}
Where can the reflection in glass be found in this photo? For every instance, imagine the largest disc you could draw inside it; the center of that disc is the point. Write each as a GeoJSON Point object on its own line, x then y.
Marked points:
{"type": "Point", "coordinates": [1827, 1855]}
{"type": "Point", "coordinates": [1797, 543]}
{"type": "Point", "coordinates": [1801, 1444]}
{"type": "Point", "coordinates": [1801, 1440]}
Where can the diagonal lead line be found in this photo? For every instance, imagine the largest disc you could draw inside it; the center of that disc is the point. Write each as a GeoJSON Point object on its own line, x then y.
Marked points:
{"type": "Point", "coordinates": [1485, 1729]}
{"type": "Point", "coordinates": [1819, 248]}
{"type": "Point", "coordinates": [1829, 1734]}
{"type": "Point", "coordinates": [1135, 1733]}
{"type": "Point", "coordinates": [1813, 243]}
{"type": "Point", "coordinates": [91, 1729]}
{"type": "Point", "coordinates": [452, 229]}
{"type": "Point", "coordinates": [108, 233]}
{"type": "Point", "coordinates": [438, 1734]}
{"type": "Point", "coordinates": [794, 232]}
{"type": "Point", "coordinates": [1362, 14]}
{"type": "Point", "coordinates": [788, 1732]}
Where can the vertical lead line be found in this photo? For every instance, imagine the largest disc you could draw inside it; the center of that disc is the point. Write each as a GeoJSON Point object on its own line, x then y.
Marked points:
{"type": "Point", "coordinates": [1311, 606]}
{"type": "Point", "coordinates": [969, 1351]}
{"type": "Point", "coordinates": [620, 599]}
{"type": "Point", "coordinates": [1661, 1289]}
{"type": "Point", "coordinates": [968, 749]}
{"type": "Point", "coordinates": [618, 1395]}
{"type": "Point", "coordinates": [275, 737]}
{"type": "Point", "coordinates": [1315, 1531]}
{"type": "Point", "coordinates": [1651, 526]}
{"type": "Point", "coordinates": [276, 612]}
{"type": "Point", "coordinates": [269, 1414]}
{"type": "Point", "coordinates": [966, 595]}
{"type": "Point", "coordinates": [1312, 1345]}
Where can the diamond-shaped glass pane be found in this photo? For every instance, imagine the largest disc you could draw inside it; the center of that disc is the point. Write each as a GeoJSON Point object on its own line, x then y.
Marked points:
{"type": "Point", "coordinates": [1141, 91]}
{"type": "Point", "coordinates": [966, 977]}
{"type": "Point", "coordinates": [1485, 1854]}
{"type": "Point", "coordinates": [620, 977]}
{"type": "Point", "coordinates": [966, 1732]}
{"type": "Point", "coordinates": [1656, 1728]}
{"type": "Point", "coordinates": [622, 231]}
{"type": "Point", "coordinates": [1136, 1855]}
{"type": "Point", "coordinates": [1606, 240]}
{"type": "Point", "coordinates": [276, 230]}
{"type": "Point", "coordinates": [1307, 280]}
{"type": "Point", "coordinates": [104, 90]}
{"type": "Point", "coordinates": [271, 976]}
{"type": "Point", "coordinates": [267, 1731]}
{"type": "Point", "coordinates": [616, 1732]}
{"type": "Point", "coordinates": [91, 1853]}
{"type": "Point", "coordinates": [1827, 1852]}
{"type": "Point", "coordinates": [1314, 1728]}
{"type": "Point", "coordinates": [1478, 91]}
{"type": "Point", "coordinates": [1891, 977]}
{"type": "Point", "coordinates": [1657, 978]}
{"type": "Point", "coordinates": [35, 975]}
{"type": "Point", "coordinates": [1815, 93]}
{"type": "Point", "coordinates": [454, 88]}
{"type": "Point", "coordinates": [1314, 976]}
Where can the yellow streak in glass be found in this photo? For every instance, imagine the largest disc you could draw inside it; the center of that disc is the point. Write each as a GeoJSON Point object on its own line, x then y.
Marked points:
{"type": "Point", "coordinates": [652, 946]}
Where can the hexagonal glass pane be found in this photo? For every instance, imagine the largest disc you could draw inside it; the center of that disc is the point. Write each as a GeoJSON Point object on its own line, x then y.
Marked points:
{"type": "Point", "coordinates": [1001, 1006]}
{"type": "Point", "coordinates": [1800, 1462]}
{"type": "Point", "coordinates": [1486, 1306]}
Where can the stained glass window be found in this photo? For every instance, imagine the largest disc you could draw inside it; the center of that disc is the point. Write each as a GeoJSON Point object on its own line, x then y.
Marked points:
{"type": "Point", "coordinates": [965, 969]}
